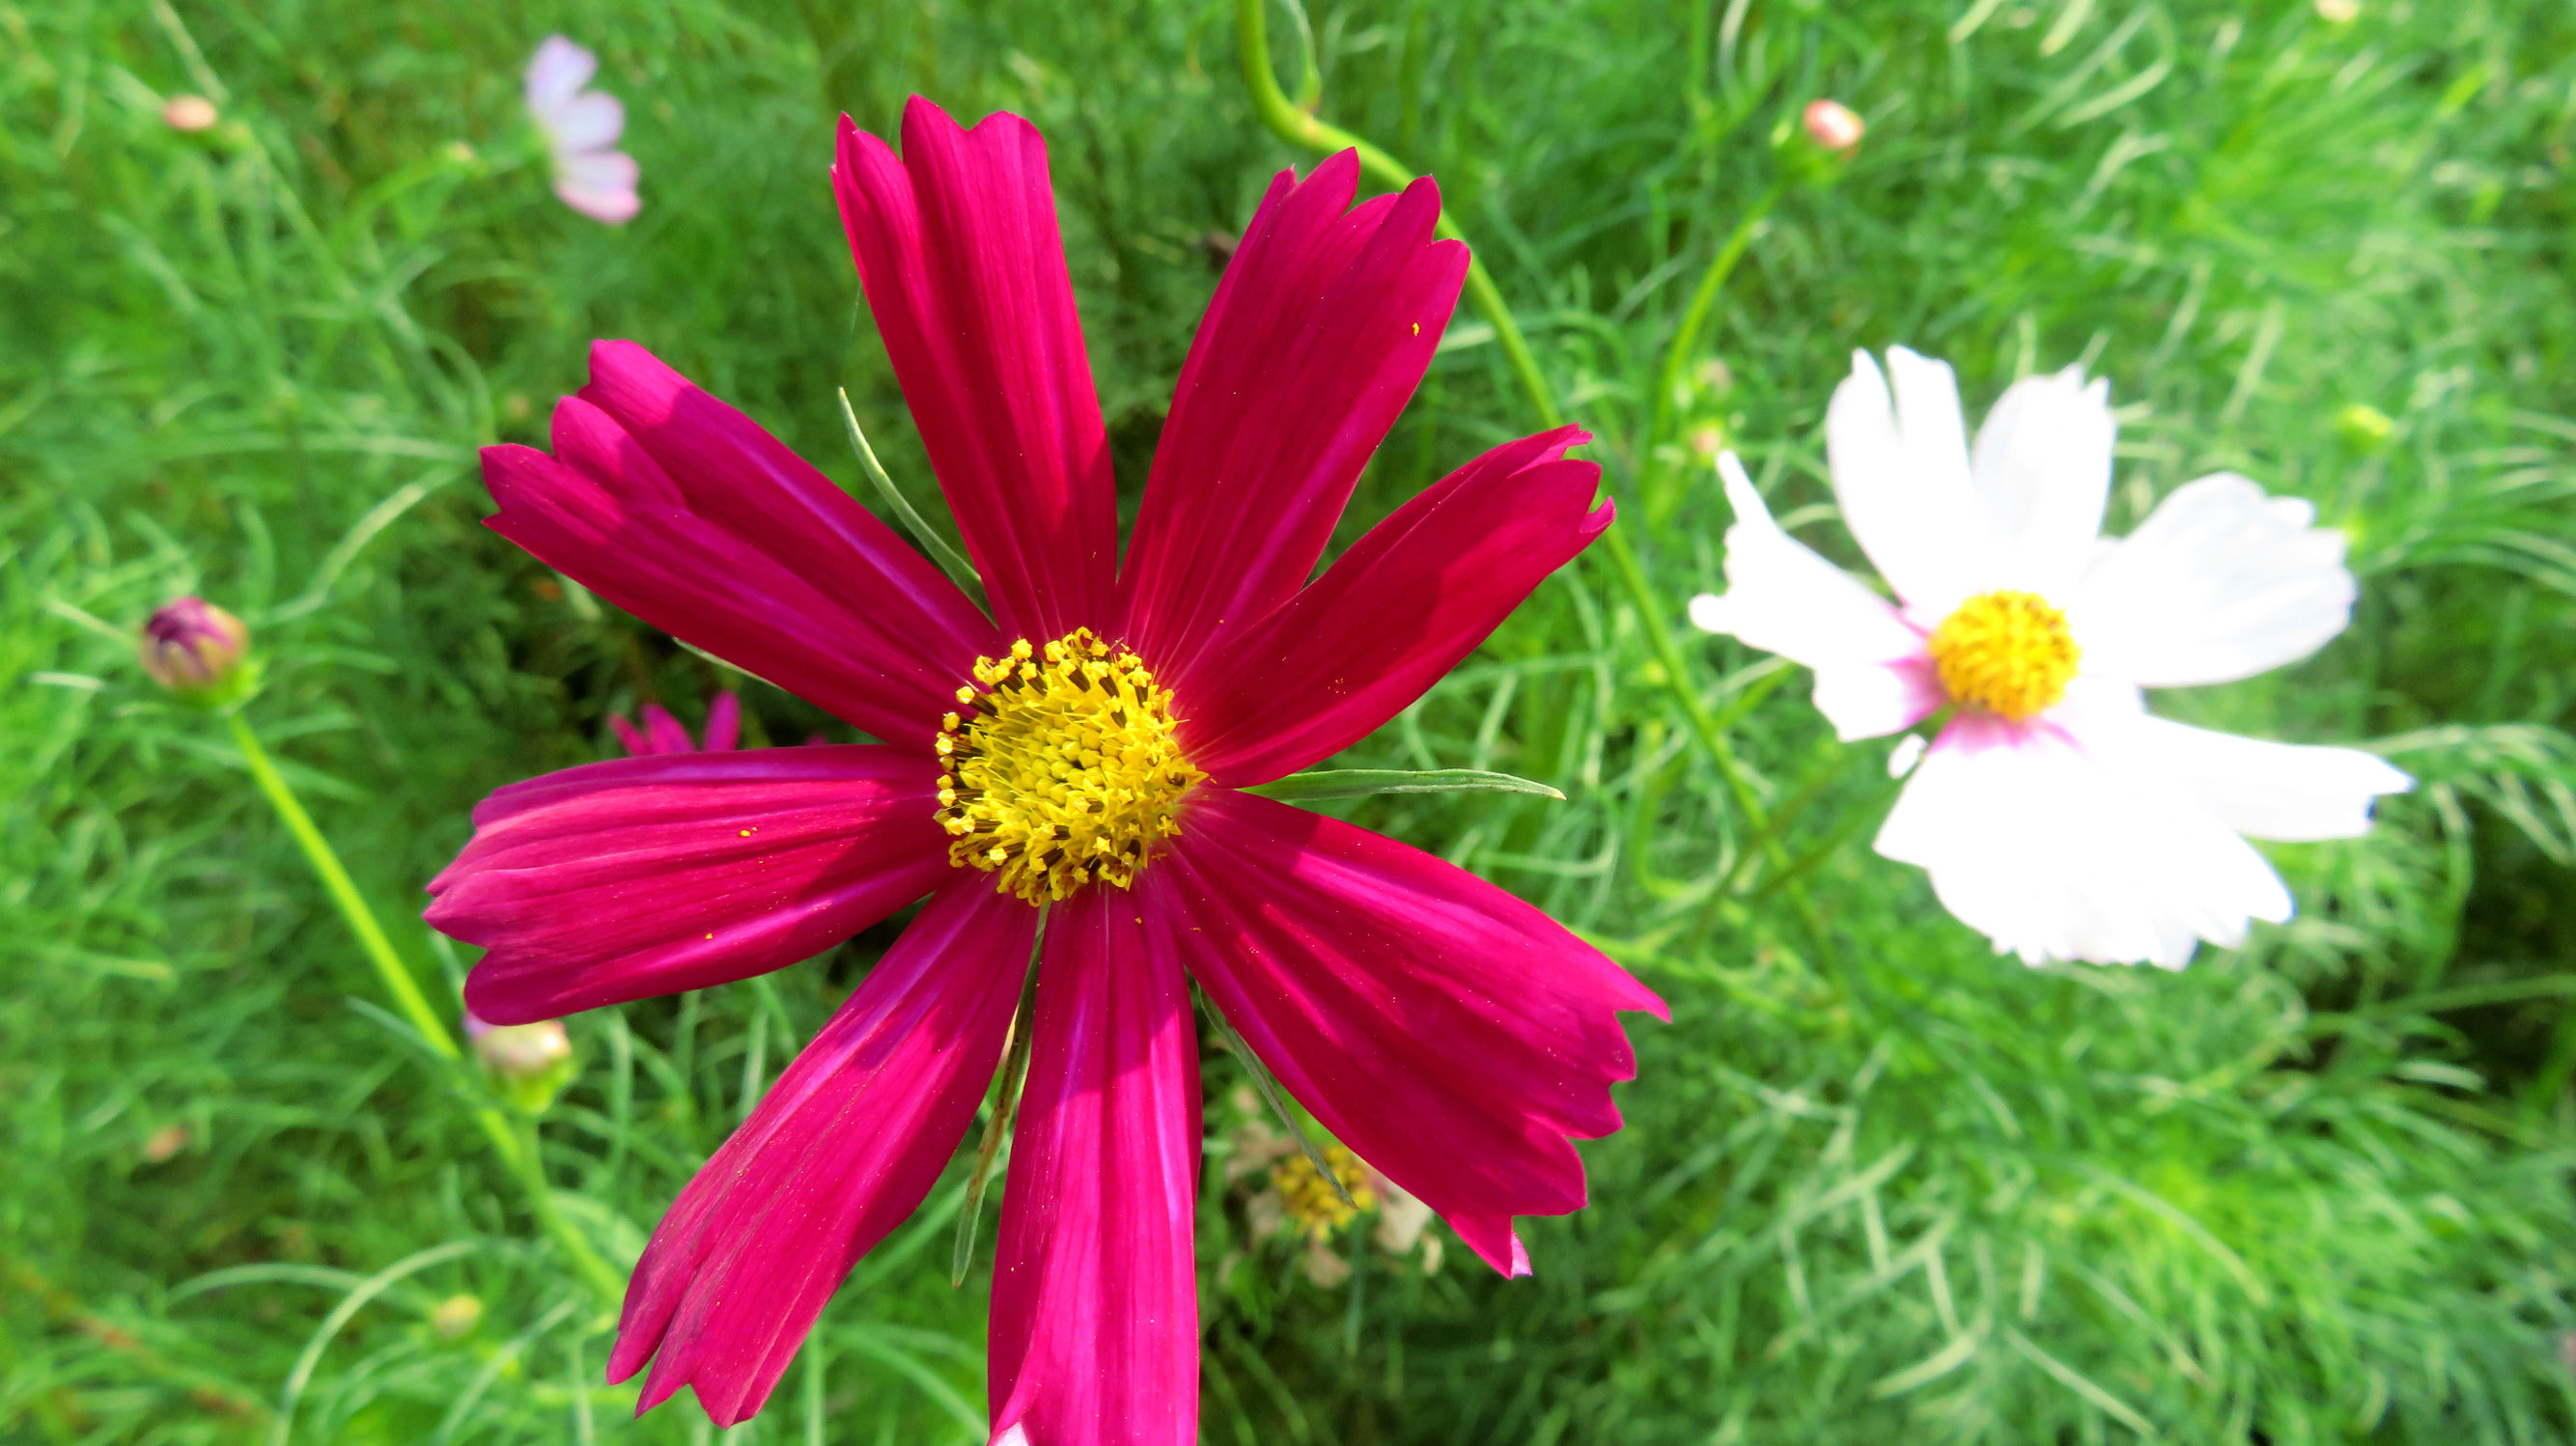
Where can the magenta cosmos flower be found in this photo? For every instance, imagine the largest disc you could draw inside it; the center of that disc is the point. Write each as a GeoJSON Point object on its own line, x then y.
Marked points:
{"type": "Point", "coordinates": [1083, 748]}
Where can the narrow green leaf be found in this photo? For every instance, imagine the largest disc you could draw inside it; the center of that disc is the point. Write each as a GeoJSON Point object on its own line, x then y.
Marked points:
{"type": "Point", "coordinates": [957, 568]}
{"type": "Point", "coordinates": [997, 1125]}
{"type": "Point", "coordinates": [1276, 1098]}
{"type": "Point", "coordinates": [1356, 782]}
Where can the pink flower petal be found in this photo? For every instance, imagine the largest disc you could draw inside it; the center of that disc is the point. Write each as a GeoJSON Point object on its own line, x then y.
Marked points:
{"type": "Point", "coordinates": [598, 184]}
{"type": "Point", "coordinates": [957, 247]}
{"type": "Point", "coordinates": [680, 510]}
{"type": "Point", "coordinates": [634, 740]}
{"type": "Point", "coordinates": [1452, 1035]}
{"type": "Point", "coordinates": [724, 724]}
{"type": "Point", "coordinates": [1393, 614]}
{"type": "Point", "coordinates": [1318, 335]}
{"type": "Point", "coordinates": [1095, 1334]}
{"type": "Point", "coordinates": [663, 733]}
{"type": "Point", "coordinates": [591, 121]}
{"type": "Point", "coordinates": [643, 876]}
{"type": "Point", "coordinates": [841, 1149]}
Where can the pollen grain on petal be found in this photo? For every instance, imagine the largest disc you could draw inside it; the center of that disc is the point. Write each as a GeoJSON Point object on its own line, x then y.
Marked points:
{"type": "Point", "coordinates": [2008, 653]}
{"type": "Point", "coordinates": [1064, 771]}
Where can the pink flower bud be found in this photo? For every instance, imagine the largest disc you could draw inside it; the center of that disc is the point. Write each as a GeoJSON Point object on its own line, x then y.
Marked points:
{"type": "Point", "coordinates": [189, 113]}
{"type": "Point", "coordinates": [1833, 125]}
{"type": "Point", "coordinates": [194, 648]}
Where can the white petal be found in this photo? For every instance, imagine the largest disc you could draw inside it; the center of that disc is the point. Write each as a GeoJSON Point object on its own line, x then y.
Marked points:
{"type": "Point", "coordinates": [1871, 673]}
{"type": "Point", "coordinates": [591, 121]}
{"type": "Point", "coordinates": [600, 185]}
{"type": "Point", "coordinates": [557, 70]}
{"type": "Point", "coordinates": [2272, 790]}
{"type": "Point", "coordinates": [1901, 476]}
{"type": "Point", "coordinates": [2219, 583]}
{"type": "Point", "coordinates": [2055, 851]}
{"type": "Point", "coordinates": [2042, 473]}
{"type": "Point", "coordinates": [1907, 752]}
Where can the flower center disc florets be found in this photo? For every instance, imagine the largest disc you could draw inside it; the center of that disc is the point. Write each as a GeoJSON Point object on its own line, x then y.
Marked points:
{"type": "Point", "coordinates": [1063, 771]}
{"type": "Point", "coordinates": [1314, 1207]}
{"type": "Point", "coordinates": [2009, 653]}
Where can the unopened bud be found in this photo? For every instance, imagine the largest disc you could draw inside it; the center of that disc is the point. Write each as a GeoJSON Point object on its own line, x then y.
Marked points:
{"type": "Point", "coordinates": [189, 113]}
{"type": "Point", "coordinates": [2364, 427]}
{"type": "Point", "coordinates": [198, 651]}
{"type": "Point", "coordinates": [453, 1317]}
{"type": "Point", "coordinates": [2338, 12]}
{"type": "Point", "coordinates": [1833, 125]}
{"type": "Point", "coordinates": [532, 1062]}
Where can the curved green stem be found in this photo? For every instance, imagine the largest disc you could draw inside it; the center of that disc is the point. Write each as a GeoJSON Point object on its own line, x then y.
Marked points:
{"type": "Point", "coordinates": [1301, 127]}
{"type": "Point", "coordinates": [518, 1151]}
{"type": "Point", "coordinates": [1668, 382]}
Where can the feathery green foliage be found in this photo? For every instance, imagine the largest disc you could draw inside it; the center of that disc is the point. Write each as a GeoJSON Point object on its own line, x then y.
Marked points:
{"type": "Point", "coordinates": [1874, 1180]}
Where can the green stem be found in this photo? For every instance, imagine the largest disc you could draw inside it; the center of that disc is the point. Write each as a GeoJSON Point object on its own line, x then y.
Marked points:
{"type": "Point", "coordinates": [1301, 127]}
{"type": "Point", "coordinates": [1298, 127]}
{"type": "Point", "coordinates": [1686, 340]}
{"type": "Point", "coordinates": [517, 1152]}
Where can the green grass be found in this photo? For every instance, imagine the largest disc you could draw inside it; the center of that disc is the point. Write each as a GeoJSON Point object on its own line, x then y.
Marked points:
{"type": "Point", "coordinates": [1876, 1183]}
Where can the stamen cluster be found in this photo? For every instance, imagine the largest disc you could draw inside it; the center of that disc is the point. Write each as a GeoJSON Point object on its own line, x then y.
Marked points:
{"type": "Point", "coordinates": [2009, 653]}
{"type": "Point", "coordinates": [1314, 1209]}
{"type": "Point", "coordinates": [1063, 771]}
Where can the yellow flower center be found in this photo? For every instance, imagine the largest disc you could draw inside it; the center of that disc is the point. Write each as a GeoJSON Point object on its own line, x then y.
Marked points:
{"type": "Point", "coordinates": [1313, 1209]}
{"type": "Point", "coordinates": [2009, 653]}
{"type": "Point", "coordinates": [1063, 771]}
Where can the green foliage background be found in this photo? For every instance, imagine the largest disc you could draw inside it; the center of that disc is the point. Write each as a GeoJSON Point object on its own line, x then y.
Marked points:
{"type": "Point", "coordinates": [1876, 1183]}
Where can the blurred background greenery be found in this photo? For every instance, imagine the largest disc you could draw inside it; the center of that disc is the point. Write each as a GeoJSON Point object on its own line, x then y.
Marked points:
{"type": "Point", "coordinates": [1874, 1179]}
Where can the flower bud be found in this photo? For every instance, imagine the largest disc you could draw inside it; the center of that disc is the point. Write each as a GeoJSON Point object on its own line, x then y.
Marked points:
{"type": "Point", "coordinates": [189, 113]}
{"type": "Point", "coordinates": [453, 1317]}
{"type": "Point", "coordinates": [1833, 125]}
{"type": "Point", "coordinates": [2363, 427]}
{"type": "Point", "coordinates": [532, 1062]}
{"type": "Point", "coordinates": [198, 651]}
{"type": "Point", "coordinates": [2338, 12]}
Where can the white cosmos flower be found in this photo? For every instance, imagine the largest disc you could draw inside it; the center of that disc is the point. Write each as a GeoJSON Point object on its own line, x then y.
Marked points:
{"type": "Point", "coordinates": [581, 129]}
{"type": "Point", "coordinates": [2053, 812]}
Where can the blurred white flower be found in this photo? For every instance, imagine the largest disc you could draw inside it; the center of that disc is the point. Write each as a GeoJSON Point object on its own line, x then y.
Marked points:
{"type": "Point", "coordinates": [581, 129]}
{"type": "Point", "coordinates": [2055, 815]}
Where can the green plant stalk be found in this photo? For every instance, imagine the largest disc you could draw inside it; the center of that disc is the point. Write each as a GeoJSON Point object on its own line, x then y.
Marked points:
{"type": "Point", "coordinates": [1686, 340]}
{"type": "Point", "coordinates": [1298, 127]}
{"type": "Point", "coordinates": [517, 1150]}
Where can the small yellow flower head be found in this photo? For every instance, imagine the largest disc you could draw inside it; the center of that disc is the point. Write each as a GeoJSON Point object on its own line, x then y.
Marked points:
{"type": "Point", "coordinates": [1314, 1209]}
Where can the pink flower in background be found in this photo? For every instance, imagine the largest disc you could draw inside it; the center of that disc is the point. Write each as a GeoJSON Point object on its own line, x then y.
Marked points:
{"type": "Point", "coordinates": [662, 733]}
{"type": "Point", "coordinates": [1083, 749]}
{"type": "Point", "coordinates": [581, 128]}
{"type": "Point", "coordinates": [2054, 814]}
